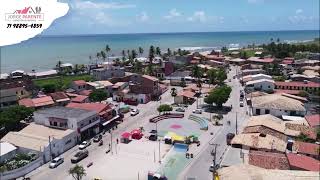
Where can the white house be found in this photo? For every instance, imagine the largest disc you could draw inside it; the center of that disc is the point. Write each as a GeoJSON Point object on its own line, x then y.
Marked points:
{"type": "Point", "coordinates": [278, 105]}
{"type": "Point", "coordinates": [266, 85]}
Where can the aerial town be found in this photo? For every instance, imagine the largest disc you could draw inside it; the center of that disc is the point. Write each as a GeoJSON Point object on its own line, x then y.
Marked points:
{"type": "Point", "coordinates": [230, 113]}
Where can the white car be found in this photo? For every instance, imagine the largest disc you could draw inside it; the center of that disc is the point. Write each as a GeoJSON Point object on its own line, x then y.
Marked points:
{"type": "Point", "coordinates": [197, 111]}
{"type": "Point", "coordinates": [84, 144]}
{"type": "Point", "coordinates": [134, 112]}
{"type": "Point", "coordinates": [56, 162]}
{"type": "Point", "coordinates": [241, 103]}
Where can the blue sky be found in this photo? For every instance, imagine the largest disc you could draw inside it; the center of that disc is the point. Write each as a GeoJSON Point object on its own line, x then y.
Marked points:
{"type": "Point", "coordinates": [144, 16]}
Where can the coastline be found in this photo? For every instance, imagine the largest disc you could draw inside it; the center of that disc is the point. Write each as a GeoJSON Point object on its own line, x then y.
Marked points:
{"type": "Point", "coordinates": [43, 52]}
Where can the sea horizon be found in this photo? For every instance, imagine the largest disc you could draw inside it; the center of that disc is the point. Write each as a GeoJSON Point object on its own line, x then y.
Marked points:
{"type": "Point", "coordinates": [42, 52]}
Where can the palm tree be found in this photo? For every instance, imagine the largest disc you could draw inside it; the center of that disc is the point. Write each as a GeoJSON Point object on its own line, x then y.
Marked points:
{"type": "Point", "coordinates": [77, 172]}
{"type": "Point", "coordinates": [169, 52]}
{"type": "Point", "coordinates": [107, 51]}
{"type": "Point", "coordinates": [103, 55]}
{"type": "Point", "coordinates": [212, 75]}
{"type": "Point", "coordinates": [76, 69]}
{"type": "Point", "coordinates": [58, 66]}
{"type": "Point", "coordinates": [98, 57]}
{"type": "Point", "coordinates": [179, 52]}
{"type": "Point", "coordinates": [278, 40]}
{"type": "Point", "coordinates": [158, 51]}
{"type": "Point", "coordinates": [197, 72]}
{"type": "Point", "coordinates": [151, 54]}
{"type": "Point", "coordinates": [123, 53]}
{"type": "Point", "coordinates": [133, 54]}
{"type": "Point", "coordinates": [137, 67]}
{"type": "Point", "coordinates": [271, 39]}
{"type": "Point", "coordinates": [140, 51]}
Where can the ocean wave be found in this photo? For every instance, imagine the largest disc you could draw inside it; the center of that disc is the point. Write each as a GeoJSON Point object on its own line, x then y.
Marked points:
{"type": "Point", "coordinates": [297, 41]}
{"type": "Point", "coordinates": [196, 48]}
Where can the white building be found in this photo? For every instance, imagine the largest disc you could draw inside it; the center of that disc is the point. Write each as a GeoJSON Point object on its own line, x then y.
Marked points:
{"type": "Point", "coordinates": [108, 72]}
{"type": "Point", "coordinates": [85, 122]}
{"type": "Point", "coordinates": [7, 151]}
{"type": "Point", "coordinates": [266, 85]}
{"type": "Point", "coordinates": [278, 105]}
{"type": "Point", "coordinates": [42, 140]}
{"type": "Point", "coordinates": [255, 77]}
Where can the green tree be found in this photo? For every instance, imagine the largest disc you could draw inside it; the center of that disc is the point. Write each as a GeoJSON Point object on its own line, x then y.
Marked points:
{"type": "Point", "coordinates": [123, 53]}
{"type": "Point", "coordinates": [98, 95]}
{"type": "Point", "coordinates": [49, 88]}
{"type": "Point", "coordinates": [218, 96]}
{"type": "Point", "coordinates": [169, 53]}
{"type": "Point", "coordinates": [140, 51]}
{"type": "Point", "coordinates": [304, 138]}
{"type": "Point", "coordinates": [164, 108]}
{"type": "Point", "coordinates": [11, 116]}
{"type": "Point", "coordinates": [212, 75]}
{"type": "Point", "coordinates": [58, 66]}
{"type": "Point", "coordinates": [151, 54]}
{"type": "Point", "coordinates": [137, 67]}
{"type": "Point", "coordinates": [221, 76]}
{"type": "Point", "coordinates": [158, 51]}
{"type": "Point", "coordinates": [77, 172]}
{"type": "Point", "coordinates": [76, 69]}
{"type": "Point", "coordinates": [107, 49]}
{"type": "Point", "coordinates": [173, 92]}
{"type": "Point", "coordinates": [133, 54]}
{"type": "Point", "coordinates": [197, 73]}
{"type": "Point", "coordinates": [103, 55]}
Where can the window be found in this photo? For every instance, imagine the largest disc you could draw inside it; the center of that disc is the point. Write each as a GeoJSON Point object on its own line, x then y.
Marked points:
{"type": "Point", "coordinates": [22, 92]}
{"type": "Point", "coordinates": [258, 111]}
{"type": "Point", "coordinates": [89, 121]}
{"type": "Point", "coordinates": [51, 124]}
{"type": "Point", "coordinates": [55, 123]}
{"type": "Point", "coordinates": [267, 111]}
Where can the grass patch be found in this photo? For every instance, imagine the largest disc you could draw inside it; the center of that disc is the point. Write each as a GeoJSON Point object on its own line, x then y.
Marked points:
{"type": "Point", "coordinates": [62, 81]}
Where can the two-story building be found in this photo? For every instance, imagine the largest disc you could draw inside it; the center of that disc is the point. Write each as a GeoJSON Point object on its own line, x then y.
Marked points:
{"type": "Point", "coordinates": [85, 122]}
{"type": "Point", "coordinates": [108, 72]}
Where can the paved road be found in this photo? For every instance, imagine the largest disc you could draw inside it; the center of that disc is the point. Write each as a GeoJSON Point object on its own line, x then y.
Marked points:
{"type": "Point", "coordinates": [130, 123]}
{"type": "Point", "coordinates": [199, 168]}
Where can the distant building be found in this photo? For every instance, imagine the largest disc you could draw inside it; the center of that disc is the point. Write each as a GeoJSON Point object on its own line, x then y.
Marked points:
{"type": "Point", "coordinates": [265, 85]}
{"type": "Point", "coordinates": [268, 160]}
{"type": "Point", "coordinates": [14, 89]}
{"type": "Point", "coordinates": [252, 72]}
{"type": "Point", "coordinates": [302, 162]}
{"type": "Point", "coordinates": [108, 72]}
{"type": "Point", "coordinates": [308, 149]}
{"type": "Point", "coordinates": [165, 69]}
{"type": "Point", "coordinates": [60, 98]}
{"type": "Point", "coordinates": [79, 85]}
{"type": "Point", "coordinates": [102, 85]}
{"type": "Point", "coordinates": [313, 120]}
{"type": "Point", "coordinates": [310, 87]}
{"type": "Point", "coordinates": [38, 103]}
{"type": "Point", "coordinates": [182, 60]}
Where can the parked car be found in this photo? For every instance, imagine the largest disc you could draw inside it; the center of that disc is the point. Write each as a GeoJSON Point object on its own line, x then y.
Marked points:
{"type": "Point", "coordinates": [197, 111]}
{"type": "Point", "coordinates": [84, 144]}
{"type": "Point", "coordinates": [56, 162]}
{"type": "Point", "coordinates": [229, 80]}
{"type": "Point", "coordinates": [153, 137]}
{"type": "Point", "coordinates": [134, 112]}
{"type": "Point", "coordinates": [153, 131]}
{"type": "Point", "coordinates": [211, 168]}
{"type": "Point", "coordinates": [97, 138]}
{"type": "Point", "coordinates": [79, 156]}
{"type": "Point", "coordinates": [241, 103]}
{"type": "Point", "coordinates": [180, 109]}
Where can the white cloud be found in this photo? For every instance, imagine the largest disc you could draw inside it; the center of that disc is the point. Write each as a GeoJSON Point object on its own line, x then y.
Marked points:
{"type": "Point", "coordinates": [81, 5]}
{"type": "Point", "coordinates": [172, 14]}
{"type": "Point", "coordinates": [143, 17]}
{"type": "Point", "coordinates": [299, 11]}
{"type": "Point", "coordinates": [199, 16]}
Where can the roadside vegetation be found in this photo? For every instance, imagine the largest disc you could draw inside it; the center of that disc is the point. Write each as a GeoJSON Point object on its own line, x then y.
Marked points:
{"type": "Point", "coordinates": [18, 161]}
{"type": "Point", "coordinates": [218, 96]}
{"type": "Point", "coordinates": [164, 108]}
{"type": "Point", "coordinates": [98, 95]}
{"type": "Point", "coordinates": [10, 117]}
{"type": "Point", "coordinates": [60, 83]}
{"type": "Point", "coordinates": [77, 172]}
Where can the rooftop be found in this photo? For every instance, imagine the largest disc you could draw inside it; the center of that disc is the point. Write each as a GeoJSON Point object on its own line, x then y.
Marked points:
{"type": "Point", "coordinates": [259, 81]}
{"type": "Point", "coordinates": [150, 77]}
{"type": "Point", "coordinates": [97, 107]}
{"type": "Point", "coordinates": [6, 147]}
{"type": "Point", "coordinates": [79, 98]}
{"type": "Point", "coordinates": [298, 84]}
{"type": "Point", "coordinates": [263, 60]}
{"type": "Point", "coordinates": [246, 172]}
{"type": "Point", "coordinates": [306, 148]}
{"type": "Point", "coordinates": [36, 102]}
{"type": "Point", "coordinates": [255, 140]}
{"type": "Point", "coordinates": [287, 91]}
{"type": "Point", "coordinates": [268, 160]}
{"type": "Point", "coordinates": [303, 162]}
{"type": "Point", "coordinates": [313, 120]}
{"type": "Point", "coordinates": [66, 112]}
{"type": "Point", "coordinates": [187, 93]}
{"type": "Point", "coordinates": [80, 82]}
{"type": "Point", "coordinates": [277, 101]}
{"type": "Point", "coordinates": [59, 96]}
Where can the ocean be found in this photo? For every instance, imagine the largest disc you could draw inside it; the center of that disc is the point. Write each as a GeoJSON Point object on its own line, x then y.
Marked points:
{"type": "Point", "coordinates": [43, 52]}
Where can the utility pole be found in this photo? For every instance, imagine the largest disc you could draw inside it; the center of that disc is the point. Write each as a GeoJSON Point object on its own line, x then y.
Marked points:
{"type": "Point", "coordinates": [50, 148]}
{"type": "Point", "coordinates": [214, 154]}
{"type": "Point", "coordinates": [159, 152]}
{"type": "Point", "coordinates": [236, 122]}
{"type": "Point", "coordinates": [111, 141]}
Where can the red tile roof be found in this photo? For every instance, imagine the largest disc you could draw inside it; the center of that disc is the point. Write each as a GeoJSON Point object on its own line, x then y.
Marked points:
{"type": "Point", "coordinates": [287, 61]}
{"type": "Point", "coordinates": [265, 60]}
{"type": "Point", "coordinates": [187, 93]}
{"type": "Point", "coordinates": [98, 107]}
{"type": "Point", "coordinates": [58, 96]}
{"type": "Point", "coordinates": [268, 160]}
{"type": "Point", "coordinates": [287, 91]}
{"type": "Point", "coordinates": [303, 162]}
{"type": "Point", "coordinates": [150, 77]}
{"type": "Point", "coordinates": [307, 148]}
{"type": "Point", "coordinates": [85, 92]}
{"type": "Point", "coordinates": [297, 84]}
{"type": "Point", "coordinates": [37, 102]}
{"type": "Point", "coordinates": [79, 98]}
{"type": "Point", "coordinates": [313, 120]}
{"type": "Point", "coordinates": [80, 82]}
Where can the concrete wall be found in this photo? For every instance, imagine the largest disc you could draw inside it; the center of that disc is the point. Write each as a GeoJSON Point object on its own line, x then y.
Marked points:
{"type": "Point", "coordinates": [276, 112]}
{"type": "Point", "coordinates": [261, 86]}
